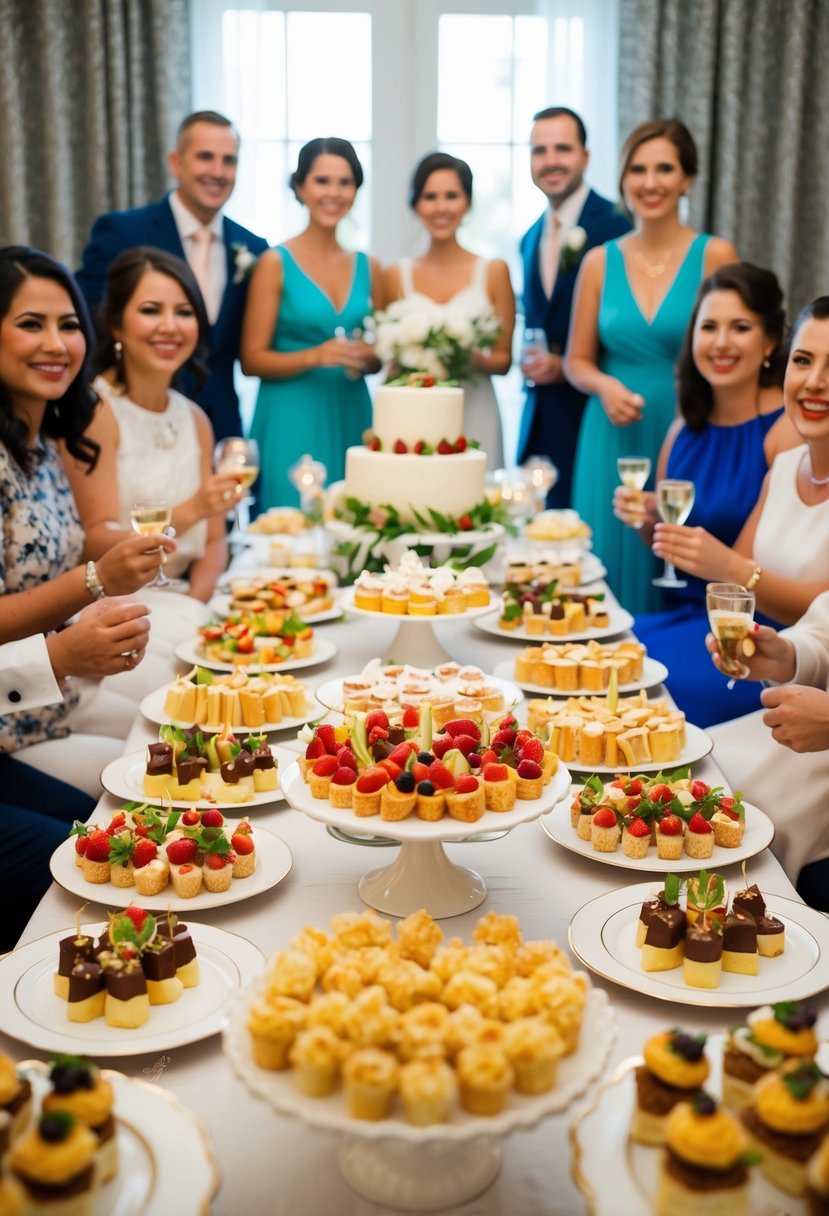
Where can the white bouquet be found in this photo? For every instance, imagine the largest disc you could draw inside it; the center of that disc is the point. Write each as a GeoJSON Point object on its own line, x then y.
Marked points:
{"type": "Point", "coordinates": [435, 339]}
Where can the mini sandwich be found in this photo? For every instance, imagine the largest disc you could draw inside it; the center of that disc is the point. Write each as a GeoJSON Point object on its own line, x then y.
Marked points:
{"type": "Point", "coordinates": [703, 1171]}
{"type": "Point", "coordinates": [787, 1121]}
{"type": "Point", "coordinates": [674, 1070]}
{"type": "Point", "coordinates": [772, 1035]}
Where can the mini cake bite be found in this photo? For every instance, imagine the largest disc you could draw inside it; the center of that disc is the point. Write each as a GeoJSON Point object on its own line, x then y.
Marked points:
{"type": "Point", "coordinates": [771, 1035]}
{"type": "Point", "coordinates": [674, 1070]}
{"type": "Point", "coordinates": [79, 1088]}
{"type": "Point", "coordinates": [15, 1097]}
{"type": "Point", "coordinates": [788, 1118]}
{"type": "Point", "coordinates": [54, 1162]}
{"type": "Point", "coordinates": [703, 1171]}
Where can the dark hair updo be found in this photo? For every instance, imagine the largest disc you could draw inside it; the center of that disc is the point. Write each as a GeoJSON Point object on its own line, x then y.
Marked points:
{"type": "Point", "coordinates": [762, 294]}
{"type": "Point", "coordinates": [124, 275]}
{"type": "Point", "coordinates": [818, 310]}
{"type": "Point", "coordinates": [661, 128]}
{"type": "Point", "coordinates": [327, 145]}
{"type": "Point", "coordinates": [68, 417]}
{"type": "Point", "coordinates": [433, 163]}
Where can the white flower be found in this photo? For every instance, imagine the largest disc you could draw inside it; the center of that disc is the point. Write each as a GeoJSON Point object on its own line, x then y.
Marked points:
{"type": "Point", "coordinates": [459, 326]}
{"type": "Point", "coordinates": [414, 328]}
{"type": "Point", "coordinates": [243, 262]}
{"type": "Point", "coordinates": [575, 239]}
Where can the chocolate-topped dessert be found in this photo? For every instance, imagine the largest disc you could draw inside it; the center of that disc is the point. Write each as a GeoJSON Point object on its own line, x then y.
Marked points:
{"type": "Point", "coordinates": [87, 993]}
{"type": "Point", "coordinates": [160, 759]}
{"type": "Point", "coordinates": [750, 900]}
{"type": "Point", "coordinates": [664, 939]}
{"type": "Point", "coordinates": [771, 936]}
{"type": "Point", "coordinates": [70, 950]}
{"type": "Point", "coordinates": [703, 954]}
{"type": "Point", "coordinates": [263, 758]}
{"type": "Point", "coordinates": [230, 772]}
{"type": "Point", "coordinates": [740, 944]}
{"type": "Point", "coordinates": [244, 764]}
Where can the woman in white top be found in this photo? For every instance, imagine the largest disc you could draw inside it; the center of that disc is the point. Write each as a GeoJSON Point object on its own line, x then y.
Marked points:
{"type": "Point", "coordinates": [154, 443]}
{"type": "Point", "coordinates": [448, 274]}
{"type": "Point", "coordinates": [782, 549]}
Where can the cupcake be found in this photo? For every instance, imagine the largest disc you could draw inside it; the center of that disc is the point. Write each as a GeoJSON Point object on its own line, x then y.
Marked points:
{"type": "Point", "coordinates": [427, 1090]}
{"type": "Point", "coordinates": [787, 1120]}
{"type": "Point", "coordinates": [703, 1170]}
{"type": "Point", "coordinates": [274, 1025]}
{"type": "Point", "coordinates": [674, 1070]}
{"type": "Point", "coordinates": [315, 1055]}
{"type": "Point", "coordinates": [485, 1077]}
{"type": "Point", "coordinates": [533, 1047]}
{"type": "Point", "coordinates": [79, 1089]}
{"type": "Point", "coordinates": [370, 1078]}
{"type": "Point", "coordinates": [54, 1162]}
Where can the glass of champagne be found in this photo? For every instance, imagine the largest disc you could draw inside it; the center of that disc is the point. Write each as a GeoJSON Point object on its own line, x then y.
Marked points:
{"type": "Point", "coordinates": [730, 615]}
{"type": "Point", "coordinates": [240, 458]}
{"type": "Point", "coordinates": [634, 472]}
{"type": "Point", "coordinates": [534, 343]}
{"type": "Point", "coordinates": [151, 517]}
{"type": "Point", "coordinates": [674, 500]}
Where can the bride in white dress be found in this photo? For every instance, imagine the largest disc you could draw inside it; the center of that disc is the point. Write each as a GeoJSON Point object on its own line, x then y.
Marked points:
{"type": "Point", "coordinates": [441, 195]}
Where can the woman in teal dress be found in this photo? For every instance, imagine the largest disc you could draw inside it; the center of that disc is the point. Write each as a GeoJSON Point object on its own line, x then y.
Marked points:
{"type": "Point", "coordinates": [633, 300]}
{"type": "Point", "coordinates": [306, 300]}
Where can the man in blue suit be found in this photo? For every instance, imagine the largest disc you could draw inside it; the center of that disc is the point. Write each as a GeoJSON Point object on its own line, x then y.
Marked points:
{"type": "Point", "coordinates": [189, 223]}
{"type": "Point", "coordinates": [576, 220]}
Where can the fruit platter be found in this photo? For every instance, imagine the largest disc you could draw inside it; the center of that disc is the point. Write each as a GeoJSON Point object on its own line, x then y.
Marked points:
{"type": "Point", "coordinates": [257, 637]}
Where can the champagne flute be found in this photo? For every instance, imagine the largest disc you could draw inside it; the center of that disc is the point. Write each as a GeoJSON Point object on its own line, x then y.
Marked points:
{"type": "Point", "coordinates": [730, 615]}
{"type": "Point", "coordinates": [533, 344]}
{"type": "Point", "coordinates": [634, 472]}
{"type": "Point", "coordinates": [240, 458]}
{"type": "Point", "coordinates": [151, 517]}
{"type": "Point", "coordinates": [674, 500]}
{"type": "Point", "coordinates": [356, 335]}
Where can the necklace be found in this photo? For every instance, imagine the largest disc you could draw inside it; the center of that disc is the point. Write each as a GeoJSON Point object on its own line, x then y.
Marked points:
{"type": "Point", "coordinates": [654, 269]}
{"type": "Point", "coordinates": [165, 436]}
{"type": "Point", "coordinates": [816, 481]}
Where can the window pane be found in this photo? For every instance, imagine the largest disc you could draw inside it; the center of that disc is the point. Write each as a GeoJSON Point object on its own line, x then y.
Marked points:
{"type": "Point", "coordinates": [329, 75]}
{"type": "Point", "coordinates": [260, 198]}
{"type": "Point", "coordinates": [254, 72]}
{"type": "Point", "coordinates": [474, 78]}
{"type": "Point", "coordinates": [530, 73]}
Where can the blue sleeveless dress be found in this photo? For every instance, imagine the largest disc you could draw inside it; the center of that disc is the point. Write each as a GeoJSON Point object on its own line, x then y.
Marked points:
{"type": "Point", "coordinates": [642, 355]}
{"type": "Point", "coordinates": [321, 412]}
{"type": "Point", "coordinates": [727, 465]}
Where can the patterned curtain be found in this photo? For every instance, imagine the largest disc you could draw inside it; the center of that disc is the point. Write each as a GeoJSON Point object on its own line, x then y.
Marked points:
{"type": "Point", "coordinates": [91, 93]}
{"type": "Point", "coordinates": [748, 77]}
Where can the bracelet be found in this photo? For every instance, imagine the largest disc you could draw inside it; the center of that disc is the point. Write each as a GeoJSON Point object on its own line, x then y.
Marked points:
{"type": "Point", "coordinates": [93, 582]}
{"type": "Point", "coordinates": [756, 575]}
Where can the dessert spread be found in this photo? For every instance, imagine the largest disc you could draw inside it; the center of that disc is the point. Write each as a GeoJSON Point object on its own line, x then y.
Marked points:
{"type": "Point", "coordinates": [210, 701]}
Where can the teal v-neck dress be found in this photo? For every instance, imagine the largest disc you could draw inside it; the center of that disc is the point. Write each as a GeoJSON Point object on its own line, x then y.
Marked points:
{"type": "Point", "coordinates": [321, 412]}
{"type": "Point", "coordinates": [643, 357]}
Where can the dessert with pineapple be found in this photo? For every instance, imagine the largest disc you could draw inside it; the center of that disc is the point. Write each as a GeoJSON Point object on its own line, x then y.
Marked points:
{"type": "Point", "coordinates": [675, 1069]}
{"type": "Point", "coordinates": [412, 1025]}
{"type": "Point", "coordinates": [703, 1169]}
{"type": "Point", "coordinates": [211, 700]}
{"type": "Point", "coordinates": [580, 665]}
{"type": "Point", "coordinates": [617, 732]}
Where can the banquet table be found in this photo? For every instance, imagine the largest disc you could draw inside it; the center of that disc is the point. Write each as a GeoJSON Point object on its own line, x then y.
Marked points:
{"type": "Point", "coordinates": [273, 1164]}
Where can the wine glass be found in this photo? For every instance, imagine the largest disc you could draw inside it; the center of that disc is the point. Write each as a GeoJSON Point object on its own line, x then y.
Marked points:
{"type": "Point", "coordinates": [634, 472]}
{"type": "Point", "coordinates": [533, 344]}
{"type": "Point", "coordinates": [151, 517]}
{"type": "Point", "coordinates": [730, 615]}
{"type": "Point", "coordinates": [240, 458]}
{"type": "Point", "coordinates": [355, 335]}
{"type": "Point", "coordinates": [543, 475]}
{"type": "Point", "coordinates": [674, 500]}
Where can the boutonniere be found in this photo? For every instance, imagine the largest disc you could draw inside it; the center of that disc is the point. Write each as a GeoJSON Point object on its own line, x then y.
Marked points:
{"type": "Point", "coordinates": [573, 248]}
{"type": "Point", "coordinates": [243, 262]}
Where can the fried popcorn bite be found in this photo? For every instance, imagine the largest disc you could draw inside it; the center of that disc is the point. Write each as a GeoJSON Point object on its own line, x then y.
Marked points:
{"type": "Point", "coordinates": [419, 937]}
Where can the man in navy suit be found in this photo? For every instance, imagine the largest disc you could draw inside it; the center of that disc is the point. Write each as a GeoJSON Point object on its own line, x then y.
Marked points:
{"type": "Point", "coordinates": [576, 220]}
{"type": "Point", "coordinates": [189, 223]}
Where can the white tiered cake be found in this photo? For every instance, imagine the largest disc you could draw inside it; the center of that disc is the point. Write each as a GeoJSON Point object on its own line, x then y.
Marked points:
{"type": "Point", "coordinates": [399, 473]}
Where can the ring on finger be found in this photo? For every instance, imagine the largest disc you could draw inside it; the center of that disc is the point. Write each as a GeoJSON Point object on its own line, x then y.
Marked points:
{"type": "Point", "coordinates": [228, 494]}
{"type": "Point", "coordinates": [131, 658]}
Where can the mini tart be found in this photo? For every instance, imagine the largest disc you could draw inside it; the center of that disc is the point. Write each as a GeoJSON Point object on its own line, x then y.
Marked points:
{"type": "Point", "coordinates": [466, 807]}
{"type": "Point", "coordinates": [703, 1173]}
{"type": "Point", "coordinates": [187, 879]}
{"type": "Point", "coordinates": [370, 1077]}
{"type": "Point", "coordinates": [430, 807]}
{"type": "Point", "coordinates": [92, 1106]}
{"type": "Point", "coordinates": [668, 846]}
{"type": "Point", "coordinates": [728, 832]}
{"type": "Point", "coordinates": [52, 1170]}
{"type": "Point", "coordinates": [745, 1061]}
{"type": "Point", "coordinates": [395, 805]}
{"type": "Point", "coordinates": [501, 795]}
{"type": "Point", "coordinates": [315, 1055]}
{"type": "Point", "coordinates": [699, 845]}
{"type": "Point", "coordinates": [665, 1079]}
{"type": "Point", "coordinates": [533, 1047]}
{"type": "Point", "coordinates": [427, 1089]}
{"type": "Point", "coordinates": [785, 1128]}
{"type": "Point", "coordinates": [274, 1025]}
{"type": "Point", "coordinates": [485, 1077]}
{"type": "Point", "coordinates": [772, 1032]}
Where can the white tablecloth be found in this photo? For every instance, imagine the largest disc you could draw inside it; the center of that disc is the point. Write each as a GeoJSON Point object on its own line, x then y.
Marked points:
{"type": "Point", "coordinates": [271, 1164]}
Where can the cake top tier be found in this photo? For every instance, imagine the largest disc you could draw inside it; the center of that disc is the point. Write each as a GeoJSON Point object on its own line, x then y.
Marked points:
{"type": "Point", "coordinates": [412, 414]}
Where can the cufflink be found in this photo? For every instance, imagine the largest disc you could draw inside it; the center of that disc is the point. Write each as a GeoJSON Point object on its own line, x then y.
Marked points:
{"type": "Point", "coordinates": [15, 696]}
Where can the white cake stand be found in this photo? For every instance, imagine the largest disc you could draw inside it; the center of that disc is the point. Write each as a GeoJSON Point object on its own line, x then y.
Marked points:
{"type": "Point", "coordinates": [423, 1169]}
{"type": "Point", "coordinates": [415, 642]}
{"type": "Point", "coordinates": [422, 876]}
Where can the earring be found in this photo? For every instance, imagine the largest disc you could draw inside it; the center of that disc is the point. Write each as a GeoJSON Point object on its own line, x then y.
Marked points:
{"type": "Point", "coordinates": [118, 347]}
{"type": "Point", "coordinates": [766, 362]}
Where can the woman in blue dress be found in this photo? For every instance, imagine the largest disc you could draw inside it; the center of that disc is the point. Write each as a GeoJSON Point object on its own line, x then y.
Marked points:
{"type": "Point", "coordinates": [732, 425]}
{"type": "Point", "coordinates": [632, 303]}
{"type": "Point", "coordinates": [306, 300]}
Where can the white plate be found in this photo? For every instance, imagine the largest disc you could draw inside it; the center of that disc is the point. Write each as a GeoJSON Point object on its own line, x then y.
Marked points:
{"type": "Point", "coordinates": [220, 604]}
{"type": "Point", "coordinates": [574, 1074]}
{"type": "Point", "coordinates": [449, 618]}
{"type": "Point", "coordinates": [620, 621]}
{"type": "Point", "coordinates": [697, 745]}
{"type": "Point", "coordinates": [124, 778]}
{"type": "Point", "coordinates": [189, 653]}
{"type": "Point", "coordinates": [603, 936]}
{"type": "Point", "coordinates": [273, 862]}
{"type": "Point", "coordinates": [615, 1174]}
{"type": "Point", "coordinates": [330, 694]}
{"type": "Point", "coordinates": [152, 707]}
{"type": "Point", "coordinates": [591, 569]}
{"type": "Point", "coordinates": [653, 673]}
{"type": "Point", "coordinates": [420, 830]}
{"type": "Point", "coordinates": [32, 1012]}
{"type": "Point", "coordinates": [155, 1133]}
{"type": "Point", "coordinates": [759, 834]}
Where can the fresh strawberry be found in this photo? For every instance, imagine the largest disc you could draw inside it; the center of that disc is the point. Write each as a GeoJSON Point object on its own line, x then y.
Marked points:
{"type": "Point", "coordinates": [488, 757]}
{"type": "Point", "coordinates": [638, 828]}
{"type": "Point", "coordinates": [671, 825]}
{"type": "Point", "coordinates": [495, 772]}
{"type": "Point", "coordinates": [81, 843]}
{"type": "Point", "coordinates": [441, 744]}
{"type": "Point", "coordinates": [180, 852]}
{"type": "Point", "coordinates": [215, 861]}
{"type": "Point", "coordinates": [727, 802]}
{"type": "Point", "coordinates": [465, 523]}
{"type": "Point", "coordinates": [699, 789]}
{"type": "Point", "coordinates": [400, 447]}
{"type": "Point", "coordinates": [326, 766]}
{"type": "Point", "coordinates": [445, 448]}
{"type": "Point", "coordinates": [371, 780]}
{"type": "Point", "coordinates": [145, 851]}
{"type": "Point", "coordinates": [117, 824]}
{"type": "Point", "coordinates": [428, 382]}
{"type": "Point", "coordinates": [420, 771]}
{"type": "Point", "coordinates": [344, 775]}
{"type": "Point", "coordinates": [523, 736]}
{"type": "Point", "coordinates": [328, 737]}
{"type": "Point", "coordinates": [529, 770]}
{"type": "Point", "coordinates": [97, 847]}
{"type": "Point", "coordinates": [377, 732]}
{"type": "Point", "coordinates": [632, 788]}
{"type": "Point", "coordinates": [462, 726]}
{"type": "Point", "coordinates": [242, 843]}
{"type": "Point", "coordinates": [466, 784]}
{"type": "Point", "coordinates": [632, 803]}
{"type": "Point", "coordinates": [346, 759]}
{"type": "Point", "coordinates": [699, 824]}
{"type": "Point", "coordinates": [460, 443]}
{"type": "Point", "coordinates": [419, 447]}
{"type": "Point", "coordinates": [661, 793]}
{"type": "Point", "coordinates": [533, 749]}
{"type": "Point", "coordinates": [503, 738]}
{"type": "Point", "coordinates": [377, 717]}
{"type": "Point", "coordinates": [393, 770]}
{"type": "Point", "coordinates": [401, 753]}
{"type": "Point", "coordinates": [137, 915]}
{"type": "Point", "coordinates": [510, 722]}
{"type": "Point", "coordinates": [411, 718]}
{"type": "Point", "coordinates": [212, 819]}
{"type": "Point", "coordinates": [315, 749]}
{"type": "Point", "coordinates": [465, 743]}
{"type": "Point", "coordinates": [440, 776]}
{"type": "Point", "coordinates": [244, 828]}
{"type": "Point", "coordinates": [190, 818]}
{"type": "Point", "coordinates": [604, 818]}
{"type": "Point", "coordinates": [373, 444]}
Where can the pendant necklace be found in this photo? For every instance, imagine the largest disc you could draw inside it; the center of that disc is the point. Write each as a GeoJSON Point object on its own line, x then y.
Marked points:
{"type": "Point", "coordinates": [654, 269]}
